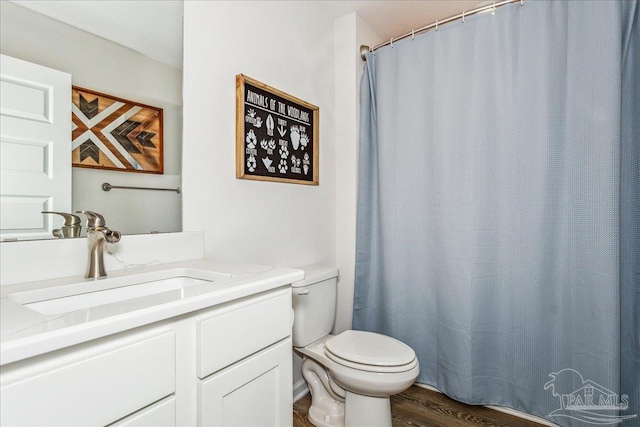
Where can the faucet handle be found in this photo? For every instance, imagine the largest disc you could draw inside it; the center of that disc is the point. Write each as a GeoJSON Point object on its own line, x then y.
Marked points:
{"type": "Point", "coordinates": [94, 219]}
{"type": "Point", "coordinates": [71, 227]}
{"type": "Point", "coordinates": [69, 219]}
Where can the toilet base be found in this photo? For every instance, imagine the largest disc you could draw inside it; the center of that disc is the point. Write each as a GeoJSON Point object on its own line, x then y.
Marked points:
{"type": "Point", "coordinates": [327, 407]}
{"type": "Point", "coordinates": [359, 411]}
{"type": "Point", "coordinates": [327, 412]}
{"type": "Point", "coordinates": [367, 411]}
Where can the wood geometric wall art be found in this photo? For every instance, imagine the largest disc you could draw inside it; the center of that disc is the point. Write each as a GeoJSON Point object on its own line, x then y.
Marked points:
{"type": "Point", "coordinates": [116, 134]}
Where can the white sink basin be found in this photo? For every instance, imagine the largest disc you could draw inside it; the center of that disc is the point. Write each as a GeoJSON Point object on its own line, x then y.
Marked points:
{"type": "Point", "coordinates": [72, 294]}
{"type": "Point", "coordinates": [108, 296]}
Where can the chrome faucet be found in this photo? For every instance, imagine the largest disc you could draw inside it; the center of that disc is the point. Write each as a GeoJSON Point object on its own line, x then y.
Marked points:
{"type": "Point", "coordinates": [98, 234]}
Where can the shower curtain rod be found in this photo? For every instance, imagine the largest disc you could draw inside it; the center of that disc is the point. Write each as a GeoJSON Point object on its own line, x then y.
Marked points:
{"type": "Point", "coordinates": [364, 49]}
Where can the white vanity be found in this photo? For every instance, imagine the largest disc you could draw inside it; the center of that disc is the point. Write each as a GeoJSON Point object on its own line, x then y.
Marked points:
{"type": "Point", "coordinates": [187, 343]}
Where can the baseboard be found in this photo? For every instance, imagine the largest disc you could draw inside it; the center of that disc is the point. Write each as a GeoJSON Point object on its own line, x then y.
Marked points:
{"type": "Point", "coordinates": [509, 411]}
{"type": "Point", "coordinates": [523, 415]}
{"type": "Point", "coordinates": [300, 390]}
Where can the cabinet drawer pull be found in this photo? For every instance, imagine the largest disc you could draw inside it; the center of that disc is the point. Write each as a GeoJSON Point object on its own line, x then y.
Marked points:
{"type": "Point", "coordinates": [304, 292]}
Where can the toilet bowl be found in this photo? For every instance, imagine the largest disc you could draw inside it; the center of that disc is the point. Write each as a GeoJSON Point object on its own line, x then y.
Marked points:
{"type": "Point", "coordinates": [352, 375]}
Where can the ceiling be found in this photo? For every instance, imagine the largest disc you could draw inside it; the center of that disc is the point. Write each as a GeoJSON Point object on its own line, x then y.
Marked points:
{"type": "Point", "coordinates": [151, 27]}
{"type": "Point", "coordinates": [392, 18]}
{"type": "Point", "coordinates": [154, 27]}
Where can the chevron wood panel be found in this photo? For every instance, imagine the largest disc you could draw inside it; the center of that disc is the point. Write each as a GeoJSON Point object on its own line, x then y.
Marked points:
{"type": "Point", "coordinates": [115, 133]}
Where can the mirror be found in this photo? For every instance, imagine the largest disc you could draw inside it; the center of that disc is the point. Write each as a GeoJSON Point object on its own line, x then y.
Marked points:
{"type": "Point", "coordinates": [125, 49]}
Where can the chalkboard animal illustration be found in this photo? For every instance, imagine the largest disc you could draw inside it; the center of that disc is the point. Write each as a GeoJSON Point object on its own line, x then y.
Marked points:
{"type": "Point", "coordinates": [251, 163]}
{"type": "Point", "coordinates": [304, 140]}
{"type": "Point", "coordinates": [284, 152]}
{"type": "Point", "coordinates": [283, 166]}
{"type": "Point", "coordinates": [276, 135]}
{"type": "Point", "coordinates": [270, 125]}
{"type": "Point", "coordinates": [294, 134]}
{"type": "Point", "coordinates": [251, 139]}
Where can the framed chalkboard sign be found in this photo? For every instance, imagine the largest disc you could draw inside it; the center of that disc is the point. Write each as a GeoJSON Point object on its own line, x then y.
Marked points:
{"type": "Point", "coordinates": [276, 135]}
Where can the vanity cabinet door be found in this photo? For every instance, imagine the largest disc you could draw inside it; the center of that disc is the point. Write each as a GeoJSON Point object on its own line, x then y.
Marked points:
{"type": "Point", "coordinates": [254, 392]}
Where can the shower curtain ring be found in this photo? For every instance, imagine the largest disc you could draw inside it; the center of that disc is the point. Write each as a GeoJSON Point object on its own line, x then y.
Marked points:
{"type": "Point", "coordinates": [436, 25]}
{"type": "Point", "coordinates": [463, 12]}
{"type": "Point", "coordinates": [392, 42]}
{"type": "Point", "coordinates": [413, 34]}
{"type": "Point", "coordinates": [521, 3]}
{"type": "Point", "coordinates": [493, 11]}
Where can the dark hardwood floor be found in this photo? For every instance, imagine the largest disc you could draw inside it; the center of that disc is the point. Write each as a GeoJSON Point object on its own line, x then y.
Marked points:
{"type": "Point", "coordinates": [419, 407]}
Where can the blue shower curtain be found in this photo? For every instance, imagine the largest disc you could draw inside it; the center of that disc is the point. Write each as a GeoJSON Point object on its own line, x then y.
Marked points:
{"type": "Point", "coordinates": [498, 224]}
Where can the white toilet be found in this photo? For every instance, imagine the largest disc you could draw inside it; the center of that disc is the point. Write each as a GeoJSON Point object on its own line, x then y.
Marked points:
{"type": "Point", "coordinates": [351, 375]}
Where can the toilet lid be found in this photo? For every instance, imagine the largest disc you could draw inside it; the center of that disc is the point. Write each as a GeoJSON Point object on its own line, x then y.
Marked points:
{"type": "Point", "coordinates": [369, 348]}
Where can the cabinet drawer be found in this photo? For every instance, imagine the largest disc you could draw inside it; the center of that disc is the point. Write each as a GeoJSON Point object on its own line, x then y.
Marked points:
{"type": "Point", "coordinates": [160, 414]}
{"type": "Point", "coordinates": [231, 336]}
{"type": "Point", "coordinates": [97, 390]}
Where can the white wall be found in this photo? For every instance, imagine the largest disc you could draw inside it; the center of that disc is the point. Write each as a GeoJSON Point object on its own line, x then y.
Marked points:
{"type": "Point", "coordinates": [287, 45]}
{"type": "Point", "coordinates": [104, 66]}
{"type": "Point", "coordinates": [350, 33]}
{"type": "Point", "coordinates": [129, 211]}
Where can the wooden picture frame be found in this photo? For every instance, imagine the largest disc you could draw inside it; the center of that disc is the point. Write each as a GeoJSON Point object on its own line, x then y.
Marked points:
{"type": "Point", "coordinates": [277, 135]}
{"type": "Point", "coordinates": [115, 134]}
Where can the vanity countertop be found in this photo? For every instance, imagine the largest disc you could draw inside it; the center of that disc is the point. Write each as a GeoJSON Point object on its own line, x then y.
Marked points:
{"type": "Point", "coordinates": [26, 333]}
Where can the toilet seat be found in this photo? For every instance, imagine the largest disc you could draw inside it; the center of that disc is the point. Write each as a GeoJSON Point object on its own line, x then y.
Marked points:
{"type": "Point", "coordinates": [368, 351]}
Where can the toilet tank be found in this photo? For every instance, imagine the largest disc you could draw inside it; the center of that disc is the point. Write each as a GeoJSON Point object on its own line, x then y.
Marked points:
{"type": "Point", "coordinates": [314, 304]}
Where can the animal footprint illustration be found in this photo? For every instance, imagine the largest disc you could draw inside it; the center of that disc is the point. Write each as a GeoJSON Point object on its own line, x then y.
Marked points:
{"type": "Point", "coordinates": [294, 134]}
{"type": "Point", "coordinates": [306, 158]}
{"type": "Point", "coordinates": [295, 162]}
{"type": "Point", "coordinates": [284, 152]}
{"type": "Point", "coordinates": [251, 163]}
{"type": "Point", "coordinates": [282, 167]}
{"type": "Point", "coordinates": [270, 124]}
{"type": "Point", "coordinates": [305, 168]}
{"type": "Point", "coordinates": [272, 144]}
{"type": "Point", "coordinates": [267, 162]}
{"type": "Point", "coordinates": [304, 140]}
{"type": "Point", "coordinates": [251, 139]}
{"type": "Point", "coordinates": [252, 112]}
{"type": "Point", "coordinates": [264, 144]}
{"type": "Point", "coordinates": [258, 122]}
